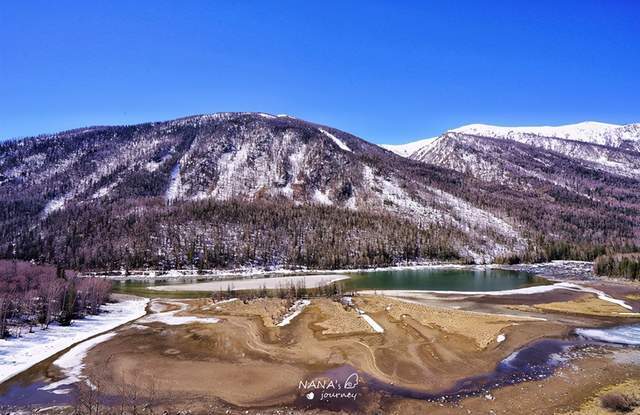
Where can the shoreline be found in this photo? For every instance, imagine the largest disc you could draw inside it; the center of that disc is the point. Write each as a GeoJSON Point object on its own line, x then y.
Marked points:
{"type": "Point", "coordinates": [581, 269]}
{"type": "Point", "coordinates": [22, 353]}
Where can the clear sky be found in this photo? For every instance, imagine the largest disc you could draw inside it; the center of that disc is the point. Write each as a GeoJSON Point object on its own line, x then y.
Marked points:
{"type": "Point", "coordinates": [388, 71]}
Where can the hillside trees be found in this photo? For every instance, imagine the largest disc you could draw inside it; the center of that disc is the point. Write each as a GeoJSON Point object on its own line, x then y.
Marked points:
{"type": "Point", "coordinates": [37, 295]}
{"type": "Point", "coordinates": [618, 265]}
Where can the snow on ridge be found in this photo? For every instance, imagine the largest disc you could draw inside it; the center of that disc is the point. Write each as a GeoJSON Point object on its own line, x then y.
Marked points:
{"type": "Point", "coordinates": [407, 149]}
{"type": "Point", "coordinates": [336, 140]}
{"type": "Point", "coordinates": [536, 289]}
{"type": "Point", "coordinates": [588, 132]}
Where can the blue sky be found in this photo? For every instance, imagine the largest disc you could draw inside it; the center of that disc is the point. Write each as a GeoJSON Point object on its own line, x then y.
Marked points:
{"type": "Point", "coordinates": [386, 71]}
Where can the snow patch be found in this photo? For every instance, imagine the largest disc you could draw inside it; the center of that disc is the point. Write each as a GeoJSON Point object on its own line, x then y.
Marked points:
{"type": "Point", "coordinates": [294, 311]}
{"type": "Point", "coordinates": [174, 183]}
{"type": "Point", "coordinates": [72, 364]}
{"type": "Point", "coordinates": [620, 335]}
{"type": "Point", "coordinates": [406, 150]}
{"type": "Point", "coordinates": [322, 198]}
{"type": "Point", "coordinates": [171, 318]}
{"type": "Point", "coordinates": [19, 354]}
{"type": "Point", "coordinates": [374, 325]}
{"type": "Point", "coordinates": [54, 205]}
{"type": "Point", "coordinates": [336, 140]}
{"type": "Point", "coordinates": [103, 191]}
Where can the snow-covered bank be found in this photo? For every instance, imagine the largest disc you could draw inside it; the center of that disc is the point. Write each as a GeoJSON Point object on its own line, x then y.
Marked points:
{"type": "Point", "coordinates": [309, 281]}
{"type": "Point", "coordinates": [19, 354]}
{"type": "Point", "coordinates": [565, 270]}
{"type": "Point", "coordinates": [347, 300]}
{"type": "Point", "coordinates": [374, 325]}
{"type": "Point", "coordinates": [170, 318]}
{"type": "Point", "coordinates": [294, 311]}
{"type": "Point", "coordinates": [72, 364]}
{"type": "Point", "coordinates": [250, 272]}
{"type": "Point", "coordinates": [527, 290]}
{"type": "Point", "coordinates": [629, 335]}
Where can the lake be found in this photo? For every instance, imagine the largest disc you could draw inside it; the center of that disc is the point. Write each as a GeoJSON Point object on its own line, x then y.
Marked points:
{"type": "Point", "coordinates": [443, 279]}
{"type": "Point", "coordinates": [434, 278]}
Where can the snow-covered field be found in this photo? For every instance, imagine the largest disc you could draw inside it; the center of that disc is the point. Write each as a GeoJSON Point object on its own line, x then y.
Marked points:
{"type": "Point", "coordinates": [309, 281]}
{"type": "Point", "coordinates": [19, 354]}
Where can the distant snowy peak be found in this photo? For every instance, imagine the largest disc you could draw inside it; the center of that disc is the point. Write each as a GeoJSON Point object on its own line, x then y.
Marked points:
{"type": "Point", "coordinates": [592, 132]}
{"type": "Point", "coordinates": [406, 150]}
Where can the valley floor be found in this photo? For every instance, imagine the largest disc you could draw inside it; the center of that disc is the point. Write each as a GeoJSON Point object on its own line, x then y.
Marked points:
{"type": "Point", "coordinates": [413, 353]}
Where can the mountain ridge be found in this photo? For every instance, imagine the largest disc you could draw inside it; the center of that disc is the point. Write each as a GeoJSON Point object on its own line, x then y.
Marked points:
{"type": "Point", "coordinates": [593, 132]}
{"type": "Point", "coordinates": [156, 177]}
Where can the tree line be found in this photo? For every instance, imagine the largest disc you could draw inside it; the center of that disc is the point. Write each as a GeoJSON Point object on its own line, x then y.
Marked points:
{"type": "Point", "coordinates": [618, 265]}
{"type": "Point", "coordinates": [223, 234]}
{"type": "Point", "coordinates": [37, 295]}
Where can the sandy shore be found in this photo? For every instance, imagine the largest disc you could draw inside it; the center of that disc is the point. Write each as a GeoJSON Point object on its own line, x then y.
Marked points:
{"type": "Point", "coordinates": [308, 281]}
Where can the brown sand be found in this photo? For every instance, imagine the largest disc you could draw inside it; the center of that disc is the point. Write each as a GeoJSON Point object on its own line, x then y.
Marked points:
{"type": "Point", "coordinates": [481, 328]}
{"type": "Point", "coordinates": [574, 389]}
{"type": "Point", "coordinates": [339, 319]}
{"type": "Point", "coordinates": [270, 310]}
{"type": "Point", "coordinates": [587, 304]}
{"type": "Point", "coordinates": [245, 361]}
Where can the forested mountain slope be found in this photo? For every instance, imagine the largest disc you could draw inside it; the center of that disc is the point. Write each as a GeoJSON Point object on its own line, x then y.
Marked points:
{"type": "Point", "coordinates": [233, 189]}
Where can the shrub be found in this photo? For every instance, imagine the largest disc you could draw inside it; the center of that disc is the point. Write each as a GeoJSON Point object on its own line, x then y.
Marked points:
{"type": "Point", "coordinates": [619, 402]}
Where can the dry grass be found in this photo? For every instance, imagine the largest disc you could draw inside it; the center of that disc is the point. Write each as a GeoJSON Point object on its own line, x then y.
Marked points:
{"type": "Point", "coordinates": [613, 399]}
{"type": "Point", "coordinates": [339, 320]}
{"type": "Point", "coordinates": [270, 310]}
{"type": "Point", "coordinates": [482, 328]}
{"type": "Point", "coordinates": [588, 305]}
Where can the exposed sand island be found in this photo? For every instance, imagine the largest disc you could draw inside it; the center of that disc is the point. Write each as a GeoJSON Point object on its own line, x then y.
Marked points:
{"type": "Point", "coordinates": [308, 281]}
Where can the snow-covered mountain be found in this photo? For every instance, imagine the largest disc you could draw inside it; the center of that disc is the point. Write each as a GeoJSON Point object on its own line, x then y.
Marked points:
{"type": "Point", "coordinates": [611, 135]}
{"type": "Point", "coordinates": [231, 157]}
{"type": "Point", "coordinates": [607, 147]}
{"type": "Point", "coordinates": [406, 150]}
{"type": "Point", "coordinates": [252, 188]}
